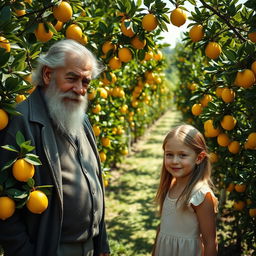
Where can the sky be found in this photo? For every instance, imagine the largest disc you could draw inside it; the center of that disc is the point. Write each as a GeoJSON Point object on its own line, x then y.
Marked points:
{"type": "Point", "coordinates": [174, 33]}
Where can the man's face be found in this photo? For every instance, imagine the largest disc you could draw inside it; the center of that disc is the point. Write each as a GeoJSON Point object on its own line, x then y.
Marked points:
{"type": "Point", "coordinates": [74, 78]}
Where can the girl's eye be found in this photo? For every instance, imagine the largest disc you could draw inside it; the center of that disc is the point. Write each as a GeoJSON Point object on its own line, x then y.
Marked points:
{"type": "Point", "coordinates": [183, 155]}
{"type": "Point", "coordinates": [169, 155]}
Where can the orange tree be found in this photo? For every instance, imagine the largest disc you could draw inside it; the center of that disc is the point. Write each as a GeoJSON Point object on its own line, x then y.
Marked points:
{"type": "Point", "coordinates": [217, 89]}
{"type": "Point", "coordinates": [130, 94]}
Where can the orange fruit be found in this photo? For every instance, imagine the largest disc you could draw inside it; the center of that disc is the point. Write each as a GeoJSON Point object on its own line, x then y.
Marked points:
{"type": "Point", "coordinates": [41, 34]}
{"type": "Point", "coordinates": [4, 119]}
{"type": "Point", "coordinates": [120, 130]}
{"type": "Point", "coordinates": [251, 141]}
{"type": "Point", "coordinates": [219, 91]}
{"type": "Point", "coordinates": [7, 207]}
{"type": "Point", "coordinates": [124, 109]}
{"type": "Point", "coordinates": [58, 26]}
{"type": "Point", "coordinates": [210, 130]}
{"type": "Point", "coordinates": [103, 93]}
{"type": "Point", "coordinates": [20, 12]}
{"type": "Point", "coordinates": [115, 63]}
{"type": "Point", "coordinates": [96, 109]}
{"type": "Point", "coordinates": [125, 54]}
{"type": "Point", "coordinates": [213, 50]}
{"type": "Point", "coordinates": [106, 142]}
{"type": "Point", "coordinates": [137, 43]}
{"type": "Point", "coordinates": [205, 100]}
{"type": "Point", "coordinates": [103, 156]}
{"type": "Point", "coordinates": [148, 56]}
{"type": "Point", "coordinates": [253, 67]}
{"type": "Point", "coordinates": [230, 187]}
{"type": "Point", "coordinates": [239, 205]}
{"type": "Point", "coordinates": [223, 140]}
{"type": "Point", "coordinates": [106, 80]}
{"type": "Point", "coordinates": [196, 109]}
{"type": "Point", "coordinates": [96, 130]}
{"type": "Point", "coordinates": [196, 33]}
{"type": "Point", "coordinates": [240, 188]}
{"type": "Point", "coordinates": [149, 22]}
{"type": "Point", "coordinates": [245, 78]}
{"type": "Point", "coordinates": [178, 17]}
{"type": "Point", "coordinates": [158, 55]}
{"type": "Point", "coordinates": [22, 170]}
{"type": "Point", "coordinates": [252, 212]}
{"type": "Point", "coordinates": [63, 12]}
{"type": "Point", "coordinates": [228, 122]}
{"type": "Point", "coordinates": [19, 98]}
{"type": "Point", "coordinates": [37, 202]}
{"type": "Point", "coordinates": [124, 151]}
{"type": "Point", "coordinates": [234, 147]}
{"type": "Point", "coordinates": [127, 31]}
{"type": "Point", "coordinates": [107, 46]}
{"type": "Point", "coordinates": [227, 95]}
{"type": "Point", "coordinates": [213, 157]}
{"type": "Point", "coordinates": [252, 36]}
{"type": "Point", "coordinates": [4, 43]}
{"type": "Point", "coordinates": [91, 94]}
{"type": "Point", "coordinates": [74, 32]}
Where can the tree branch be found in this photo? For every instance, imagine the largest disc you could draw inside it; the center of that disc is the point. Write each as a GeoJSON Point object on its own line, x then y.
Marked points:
{"type": "Point", "coordinates": [223, 18]}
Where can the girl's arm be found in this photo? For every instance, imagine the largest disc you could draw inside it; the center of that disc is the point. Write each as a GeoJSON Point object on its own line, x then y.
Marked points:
{"type": "Point", "coordinates": [154, 247]}
{"type": "Point", "coordinates": [207, 223]}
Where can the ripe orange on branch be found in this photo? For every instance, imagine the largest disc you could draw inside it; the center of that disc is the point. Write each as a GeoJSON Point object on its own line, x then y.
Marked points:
{"type": "Point", "coordinates": [234, 147]}
{"type": "Point", "coordinates": [127, 31]}
{"type": "Point", "coordinates": [252, 36]}
{"type": "Point", "coordinates": [228, 122]}
{"type": "Point", "coordinates": [178, 17]}
{"type": "Point", "coordinates": [22, 170]}
{"type": "Point", "coordinates": [196, 109]}
{"type": "Point", "coordinates": [227, 95]}
{"type": "Point", "coordinates": [115, 63]}
{"type": "Point", "coordinates": [37, 202]}
{"type": "Point", "coordinates": [213, 50]}
{"type": "Point", "coordinates": [42, 34]}
{"type": "Point", "coordinates": [7, 207]}
{"type": "Point", "coordinates": [125, 54]}
{"type": "Point", "coordinates": [245, 78]}
{"type": "Point", "coordinates": [4, 119]}
{"type": "Point", "coordinates": [4, 43]}
{"type": "Point", "coordinates": [149, 22]}
{"type": "Point", "coordinates": [63, 12]}
{"type": "Point", "coordinates": [107, 46]}
{"type": "Point", "coordinates": [196, 33]}
{"type": "Point", "coordinates": [138, 43]}
{"type": "Point", "coordinates": [223, 140]}
{"type": "Point", "coordinates": [74, 32]}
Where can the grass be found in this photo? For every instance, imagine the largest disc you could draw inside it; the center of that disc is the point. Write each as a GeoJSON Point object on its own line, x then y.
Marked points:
{"type": "Point", "coordinates": [130, 212]}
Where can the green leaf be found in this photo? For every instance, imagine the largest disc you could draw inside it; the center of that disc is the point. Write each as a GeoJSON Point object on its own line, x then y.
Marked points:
{"type": "Point", "coordinates": [8, 164]}
{"type": "Point", "coordinates": [10, 148]}
{"type": "Point", "coordinates": [16, 193]}
{"type": "Point", "coordinates": [4, 57]}
{"type": "Point", "coordinates": [231, 55]}
{"type": "Point", "coordinates": [26, 147]}
{"type": "Point", "coordinates": [32, 159]}
{"type": "Point", "coordinates": [31, 183]}
{"type": "Point", "coordinates": [19, 138]}
{"type": "Point", "coordinates": [5, 15]}
{"type": "Point", "coordinates": [11, 83]}
{"type": "Point", "coordinates": [250, 4]}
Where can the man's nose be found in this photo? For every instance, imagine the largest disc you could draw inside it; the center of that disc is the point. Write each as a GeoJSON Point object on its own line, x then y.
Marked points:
{"type": "Point", "coordinates": [79, 89]}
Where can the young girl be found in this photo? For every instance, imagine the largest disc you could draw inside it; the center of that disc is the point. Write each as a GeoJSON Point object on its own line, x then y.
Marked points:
{"type": "Point", "coordinates": [187, 203]}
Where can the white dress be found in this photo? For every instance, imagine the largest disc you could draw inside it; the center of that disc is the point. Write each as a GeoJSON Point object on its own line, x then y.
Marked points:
{"type": "Point", "coordinates": [179, 233]}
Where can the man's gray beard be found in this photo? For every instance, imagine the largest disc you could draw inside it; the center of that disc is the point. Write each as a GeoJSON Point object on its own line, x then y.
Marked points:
{"type": "Point", "coordinates": [67, 116]}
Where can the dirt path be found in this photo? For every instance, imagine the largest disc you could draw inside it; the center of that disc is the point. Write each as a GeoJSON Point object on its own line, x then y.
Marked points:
{"type": "Point", "coordinates": [130, 212]}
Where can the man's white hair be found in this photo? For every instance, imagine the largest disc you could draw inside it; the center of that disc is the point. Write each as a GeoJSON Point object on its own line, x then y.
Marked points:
{"type": "Point", "coordinates": [56, 57]}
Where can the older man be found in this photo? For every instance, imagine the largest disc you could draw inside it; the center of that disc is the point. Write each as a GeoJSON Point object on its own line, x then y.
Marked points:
{"type": "Point", "coordinates": [54, 119]}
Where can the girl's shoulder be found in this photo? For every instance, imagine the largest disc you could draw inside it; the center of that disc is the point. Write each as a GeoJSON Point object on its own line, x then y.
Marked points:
{"type": "Point", "coordinates": [198, 194]}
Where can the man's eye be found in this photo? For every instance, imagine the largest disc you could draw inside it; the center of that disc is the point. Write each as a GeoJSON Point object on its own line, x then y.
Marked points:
{"type": "Point", "coordinates": [71, 78]}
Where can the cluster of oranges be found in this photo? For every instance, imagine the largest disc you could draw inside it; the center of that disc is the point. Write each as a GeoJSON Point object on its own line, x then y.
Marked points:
{"type": "Point", "coordinates": [37, 201]}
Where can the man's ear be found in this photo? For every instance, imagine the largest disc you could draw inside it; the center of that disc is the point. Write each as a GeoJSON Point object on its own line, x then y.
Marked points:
{"type": "Point", "coordinates": [47, 74]}
{"type": "Point", "coordinates": [200, 157]}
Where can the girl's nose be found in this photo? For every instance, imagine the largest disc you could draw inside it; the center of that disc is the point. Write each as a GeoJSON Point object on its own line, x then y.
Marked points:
{"type": "Point", "coordinates": [175, 159]}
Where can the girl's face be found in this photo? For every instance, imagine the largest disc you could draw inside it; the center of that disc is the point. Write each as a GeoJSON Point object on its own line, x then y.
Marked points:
{"type": "Point", "coordinates": [179, 159]}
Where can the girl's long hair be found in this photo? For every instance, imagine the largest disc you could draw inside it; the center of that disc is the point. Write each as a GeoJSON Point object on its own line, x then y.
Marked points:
{"type": "Point", "coordinates": [192, 138]}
